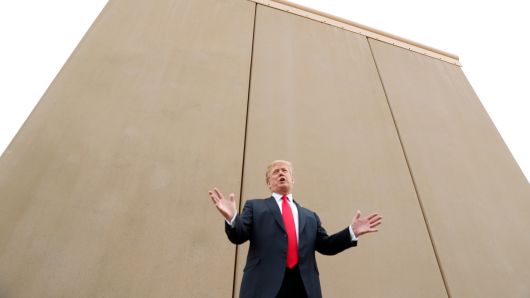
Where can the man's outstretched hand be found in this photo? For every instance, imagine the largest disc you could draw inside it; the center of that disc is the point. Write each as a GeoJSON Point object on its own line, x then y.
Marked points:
{"type": "Point", "coordinates": [227, 207]}
{"type": "Point", "coordinates": [362, 225]}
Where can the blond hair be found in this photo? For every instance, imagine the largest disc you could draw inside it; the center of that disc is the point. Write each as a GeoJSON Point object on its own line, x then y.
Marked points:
{"type": "Point", "coordinates": [269, 167]}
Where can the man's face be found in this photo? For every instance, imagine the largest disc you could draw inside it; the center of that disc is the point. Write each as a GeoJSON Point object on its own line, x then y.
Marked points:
{"type": "Point", "coordinates": [280, 179]}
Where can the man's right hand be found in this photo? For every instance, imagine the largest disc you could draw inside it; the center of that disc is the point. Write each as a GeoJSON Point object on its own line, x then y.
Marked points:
{"type": "Point", "coordinates": [227, 207]}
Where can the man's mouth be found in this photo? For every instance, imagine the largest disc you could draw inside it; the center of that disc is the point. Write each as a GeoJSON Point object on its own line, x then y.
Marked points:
{"type": "Point", "coordinates": [282, 179]}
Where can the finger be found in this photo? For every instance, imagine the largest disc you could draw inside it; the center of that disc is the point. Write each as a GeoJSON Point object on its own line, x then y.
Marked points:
{"type": "Point", "coordinates": [373, 230]}
{"type": "Point", "coordinates": [212, 193]}
{"type": "Point", "coordinates": [374, 219]}
{"type": "Point", "coordinates": [218, 192]}
{"type": "Point", "coordinates": [372, 215]}
{"type": "Point", "coordinates": [358, 214]}
{"type": "Point", "coordinates": [214, 197]}
{"type": "Point", "coordinates": [231, 197]}
{"type": "Point", "coordinates": [375, 224]}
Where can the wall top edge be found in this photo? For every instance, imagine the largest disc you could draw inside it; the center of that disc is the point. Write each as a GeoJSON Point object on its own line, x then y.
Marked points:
{"type": "Point", "coordinates": [360, 29]}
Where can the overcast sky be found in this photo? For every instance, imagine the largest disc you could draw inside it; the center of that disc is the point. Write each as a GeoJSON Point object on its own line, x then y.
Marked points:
{"type": "Point", "coordinates": [490, 37]}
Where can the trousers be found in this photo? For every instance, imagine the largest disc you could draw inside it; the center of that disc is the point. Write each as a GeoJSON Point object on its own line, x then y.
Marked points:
{"type": "Point", "coordinates": [292, 284]}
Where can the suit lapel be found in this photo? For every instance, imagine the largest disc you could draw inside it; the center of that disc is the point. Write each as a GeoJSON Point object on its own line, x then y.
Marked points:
{"type": "Point", "coordinates": [275, 210]}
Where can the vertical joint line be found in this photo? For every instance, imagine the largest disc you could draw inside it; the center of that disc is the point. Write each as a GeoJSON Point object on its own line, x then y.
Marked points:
{"type": "Point", "coordinates": [245, 141]}
{"type": "Point", "coordinates": [410, 172]}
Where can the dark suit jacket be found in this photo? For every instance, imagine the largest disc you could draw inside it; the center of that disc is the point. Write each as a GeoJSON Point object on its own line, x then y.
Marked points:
{"type": "Point", "coordinates": [261, 222]}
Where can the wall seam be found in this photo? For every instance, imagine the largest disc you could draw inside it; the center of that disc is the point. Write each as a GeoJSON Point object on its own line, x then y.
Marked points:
{"type": "Point", "coordinates": [444, 279]}
{"type": "Point", "coordinates": [245, 142]}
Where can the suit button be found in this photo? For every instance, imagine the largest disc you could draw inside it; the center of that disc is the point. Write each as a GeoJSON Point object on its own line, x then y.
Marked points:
{"type": "Point", "coordinates": [284, 235]}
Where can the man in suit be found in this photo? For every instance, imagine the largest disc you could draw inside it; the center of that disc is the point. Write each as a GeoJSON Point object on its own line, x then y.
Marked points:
{"type": "Point", "coordinates": [283, 238]}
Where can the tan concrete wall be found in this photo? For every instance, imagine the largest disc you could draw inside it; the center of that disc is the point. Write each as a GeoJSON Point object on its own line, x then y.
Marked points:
{"type": "Point", "coordinates": [316, 99]}
{"type": "Point", "coordinates": [475, 196]}
{"type": "Point", "coordinates": [103, 188]}
{"type": "Point", "coordinates": [103, 192]}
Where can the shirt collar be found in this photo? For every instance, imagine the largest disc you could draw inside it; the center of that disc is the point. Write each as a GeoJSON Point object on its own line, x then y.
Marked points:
{"type": "Point", "coordinates": [278, 197]}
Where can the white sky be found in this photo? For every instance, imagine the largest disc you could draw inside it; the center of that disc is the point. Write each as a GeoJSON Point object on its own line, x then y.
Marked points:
{"type": "Point", "coordinates": [490, 37]}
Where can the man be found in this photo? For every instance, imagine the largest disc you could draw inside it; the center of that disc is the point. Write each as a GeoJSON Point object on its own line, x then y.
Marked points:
{"type": "Point", "coordinates": [283, 238]}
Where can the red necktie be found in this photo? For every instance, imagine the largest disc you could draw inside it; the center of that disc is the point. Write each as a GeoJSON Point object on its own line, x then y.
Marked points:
{"type": "Point", "coordinates": [292, 245]}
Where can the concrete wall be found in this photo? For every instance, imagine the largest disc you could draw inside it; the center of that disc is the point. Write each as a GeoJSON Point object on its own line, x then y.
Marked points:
{"type": "Point", "coordinates": [103, 192]}
{"type": "Point", "coordinates": [475, 197]}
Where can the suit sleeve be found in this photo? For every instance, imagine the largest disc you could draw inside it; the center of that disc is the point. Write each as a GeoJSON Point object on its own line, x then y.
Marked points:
{"type": "Point", "coordinates": [241, 228]}
{"type": "Point", "coordinates": [332, 244]}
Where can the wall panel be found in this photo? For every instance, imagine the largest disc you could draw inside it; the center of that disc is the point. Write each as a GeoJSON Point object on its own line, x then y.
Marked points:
{"type": "Point", "coordinates": [101, 188]}
{"type": "Point", "coordinates": [475, 196]}
{"type": "Point", "coordinates": [316, 99]}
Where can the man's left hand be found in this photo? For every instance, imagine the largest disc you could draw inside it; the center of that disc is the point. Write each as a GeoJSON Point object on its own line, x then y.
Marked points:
{"type": "Point", "coordinates": [362, 225]}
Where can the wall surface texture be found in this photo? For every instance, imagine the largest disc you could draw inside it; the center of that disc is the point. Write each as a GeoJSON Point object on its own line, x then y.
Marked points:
{"type": "Point", "coordinates": [104, 189]}
{"type": "Point", "coordinates": [476, 199]}
{"type": "Point", "coordinates": [103, 192]}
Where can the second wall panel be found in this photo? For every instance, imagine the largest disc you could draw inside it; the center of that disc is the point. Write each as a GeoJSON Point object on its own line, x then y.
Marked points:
{"type": "Point", "coordinates": [316, 99]}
